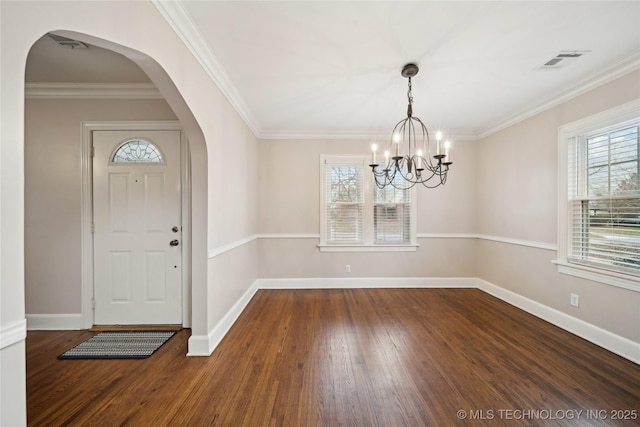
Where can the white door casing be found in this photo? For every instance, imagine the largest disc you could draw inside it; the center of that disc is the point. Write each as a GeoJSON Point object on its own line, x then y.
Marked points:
{"type": "Point", "coordinates": [136, 208]}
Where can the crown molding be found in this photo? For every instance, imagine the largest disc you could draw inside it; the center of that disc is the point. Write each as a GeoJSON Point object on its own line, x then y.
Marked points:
{"type": "Point", "coordinates": [613, 72]}
{"type": "Point", "coordinates": [321, 135]}
{"type": "Point", "coordinates": [92, 91]}
{"type": "Point", "coordinates": [179, 20]}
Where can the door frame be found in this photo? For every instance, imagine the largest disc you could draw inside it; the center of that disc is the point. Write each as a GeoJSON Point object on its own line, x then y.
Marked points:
{"type": "Point", "coordinates": [86, 217]}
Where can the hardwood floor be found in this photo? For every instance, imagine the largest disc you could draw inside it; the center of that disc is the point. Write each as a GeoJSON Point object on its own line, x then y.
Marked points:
{"type": "Point", "coordinates": [357, 357]}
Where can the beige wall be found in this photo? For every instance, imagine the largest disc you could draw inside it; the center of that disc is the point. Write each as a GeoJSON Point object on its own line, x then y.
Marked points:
{"type": "Point", "coordinates": [301, 259]}
{"type": "Point", "coordinates": [289, 204]}
{"type": "Point", "coordinates": [517, 199]}
{"type": "Point", "coordinates": [53, 189]}
{"type": "Point", "coordinates": [209, 120]}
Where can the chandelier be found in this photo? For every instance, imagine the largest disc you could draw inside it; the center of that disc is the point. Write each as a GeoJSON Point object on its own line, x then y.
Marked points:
{"type": "Point", "coordinates": [414, 160]}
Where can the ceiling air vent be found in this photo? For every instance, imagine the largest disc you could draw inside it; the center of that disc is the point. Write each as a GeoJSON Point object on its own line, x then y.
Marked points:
{"type": "Point", "coordinates": [65, 42]}
{"type": "Point", "coordinates": [562, 59]}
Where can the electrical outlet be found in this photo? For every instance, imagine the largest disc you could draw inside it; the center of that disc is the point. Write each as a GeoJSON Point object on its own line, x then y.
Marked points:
{"type": "Point", "coordinates": [574, 300]}
{"type": "Point", "coordinates": [347, 268]}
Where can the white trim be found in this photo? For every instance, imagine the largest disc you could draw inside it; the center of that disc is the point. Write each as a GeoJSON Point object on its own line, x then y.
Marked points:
{"type": "Point", "coordinates": [369, 248]}
{"type": "Point", "coordinates": [447, 236]}
{"type": "Point", "coordinates": [201, 345]}
{"type": "Point", "coordinates": [92, 91]}
{"type": "Point", "coordinates": [86, 223]}
{"type": "Point", "coordinates": [237, 243]}
{"type": "Point", "coordinates": [611, 278]}
{"type": "Point", "coordinates": [55, 322]}
{"type": "Point", "coordinates": [363, 135]}
{"type": "Point", "coordinates": [367, 282]}
{"type": "Point", "coordinates": [617, 70]}
{"type": "Point", "coordinates": [612, 116]}
{"type": "Point", "coordinates": [528, 243]}
{"type": "Point", "coordinates": [230, 246]}
{"type": "Point", "coordinates": [289, 236]}
{"type": "Point", "coordinates": [13, 333]}
{"type": "Point", "coordinates": [176, 16]}
{"type": "Point", "coordinates": [86, 206]}
{"type": "Point", "coordinates": [619, 345]}
{"type": "Point", "coordinates": [186, 232]}
{"type": "Point", "coordinates": [508, 240]}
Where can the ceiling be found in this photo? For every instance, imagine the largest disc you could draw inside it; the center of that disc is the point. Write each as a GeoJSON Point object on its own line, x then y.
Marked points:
{"type": "Point", "coordinates": [332, 69]}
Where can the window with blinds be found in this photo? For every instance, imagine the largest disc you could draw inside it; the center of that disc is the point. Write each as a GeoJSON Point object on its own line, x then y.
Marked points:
{"type": "Point", "coordinates": [604, 198]}
{"type": "Point", "coordinates": [391, 216]}
{"type": "Point", "coordinates": [344, 201]}
{"type": "Point", "coordinates": [355, 215]}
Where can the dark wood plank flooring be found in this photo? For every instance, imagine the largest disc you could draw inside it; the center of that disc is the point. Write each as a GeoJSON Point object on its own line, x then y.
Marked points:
{"type": "Point", "coordinates": [356, 357]}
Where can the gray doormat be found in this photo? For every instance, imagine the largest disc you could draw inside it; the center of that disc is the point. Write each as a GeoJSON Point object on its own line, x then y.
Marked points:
{"type": "Point", "coordinates": [119, 345]}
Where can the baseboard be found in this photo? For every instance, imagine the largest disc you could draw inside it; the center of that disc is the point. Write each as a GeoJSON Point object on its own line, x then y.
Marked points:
{"type": "Point", "coordinates": [203, 345]}
{"type": "Point", "coordinates": [619, 345]}
{"type": "Point", "coordinates": [55, 322]}
{"type": "Point", "coordinates": [12, 333]}
{"type": "Point", "coordinates": [367, 282]}
{"type": "Point", "coordinates": [199, 346]}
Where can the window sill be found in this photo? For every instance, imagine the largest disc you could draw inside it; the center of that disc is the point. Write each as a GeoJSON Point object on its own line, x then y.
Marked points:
{"type": "Point", "coordinates": [611, 278]}
{"type": "Point", "coordinates": [368, 248]}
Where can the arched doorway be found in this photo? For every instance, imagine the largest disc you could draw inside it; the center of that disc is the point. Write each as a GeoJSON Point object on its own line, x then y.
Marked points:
{"type": "Point", "coordinates": [75, 304]}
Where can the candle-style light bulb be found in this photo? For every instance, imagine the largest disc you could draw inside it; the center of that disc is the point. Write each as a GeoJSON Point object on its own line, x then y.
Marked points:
{"type": "Point", "coordinates": [438, 143]}
{"type": "Point", "coordinates": [374, 149]}
{"type": "Point", "coordinates": [417, 161]}
{"type": "Point", "coordinates": [396, 139]}
{"type": "Point", "coordinates": [447, 152]}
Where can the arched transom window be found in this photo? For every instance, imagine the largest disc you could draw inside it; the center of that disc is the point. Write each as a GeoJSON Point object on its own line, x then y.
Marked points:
{"type": "Point", "coordinates": [137, 151]}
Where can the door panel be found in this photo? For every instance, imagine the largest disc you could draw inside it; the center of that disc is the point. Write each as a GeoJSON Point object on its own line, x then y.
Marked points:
{"type": "Point", "coordinates": [137, 273]}
{"type": "Point", "coordinates": [155, 278]}
{"type": "Point", "coordinates": [120, 282]}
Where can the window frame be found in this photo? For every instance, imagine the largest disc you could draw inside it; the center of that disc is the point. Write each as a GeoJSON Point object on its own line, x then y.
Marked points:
{"type": "Point", "coordinates": [566, 135]}
{"type": "Point", "coordinates": [368, 244]}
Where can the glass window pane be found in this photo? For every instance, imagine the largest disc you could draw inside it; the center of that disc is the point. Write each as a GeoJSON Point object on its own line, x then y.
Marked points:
{"type": "Point", "coordinates": [598, 181]}
{"type": "Point", "coordinates": [345, 184]}
{"type": "Point", "coordinates": [137, 151]}
{"type": "Point", "coordinates": [598, 151]}
{"type": "Point", "coordinates": [624, 178]}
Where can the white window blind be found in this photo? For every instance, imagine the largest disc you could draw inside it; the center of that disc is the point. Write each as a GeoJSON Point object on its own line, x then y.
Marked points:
{"type": "Point", "coordinates": [604, 198]}
{"type": "Point", "coordinates": [392, 216]}
{"type": "Point", "coordinates": [344, 200]}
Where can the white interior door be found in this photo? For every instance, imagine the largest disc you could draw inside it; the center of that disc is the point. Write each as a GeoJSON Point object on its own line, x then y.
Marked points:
{"type": "Point", "coordinates": [137, 228]}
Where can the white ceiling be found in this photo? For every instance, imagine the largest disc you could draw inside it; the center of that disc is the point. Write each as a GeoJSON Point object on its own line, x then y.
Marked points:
{"type": "Point", "coordinates": [332, 69]}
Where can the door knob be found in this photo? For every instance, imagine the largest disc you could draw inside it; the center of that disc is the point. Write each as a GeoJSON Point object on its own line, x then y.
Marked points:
{"type": "Point", "coordinates": [175, 229]}
{"type": "Point", "coordinates": [173, 243]}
